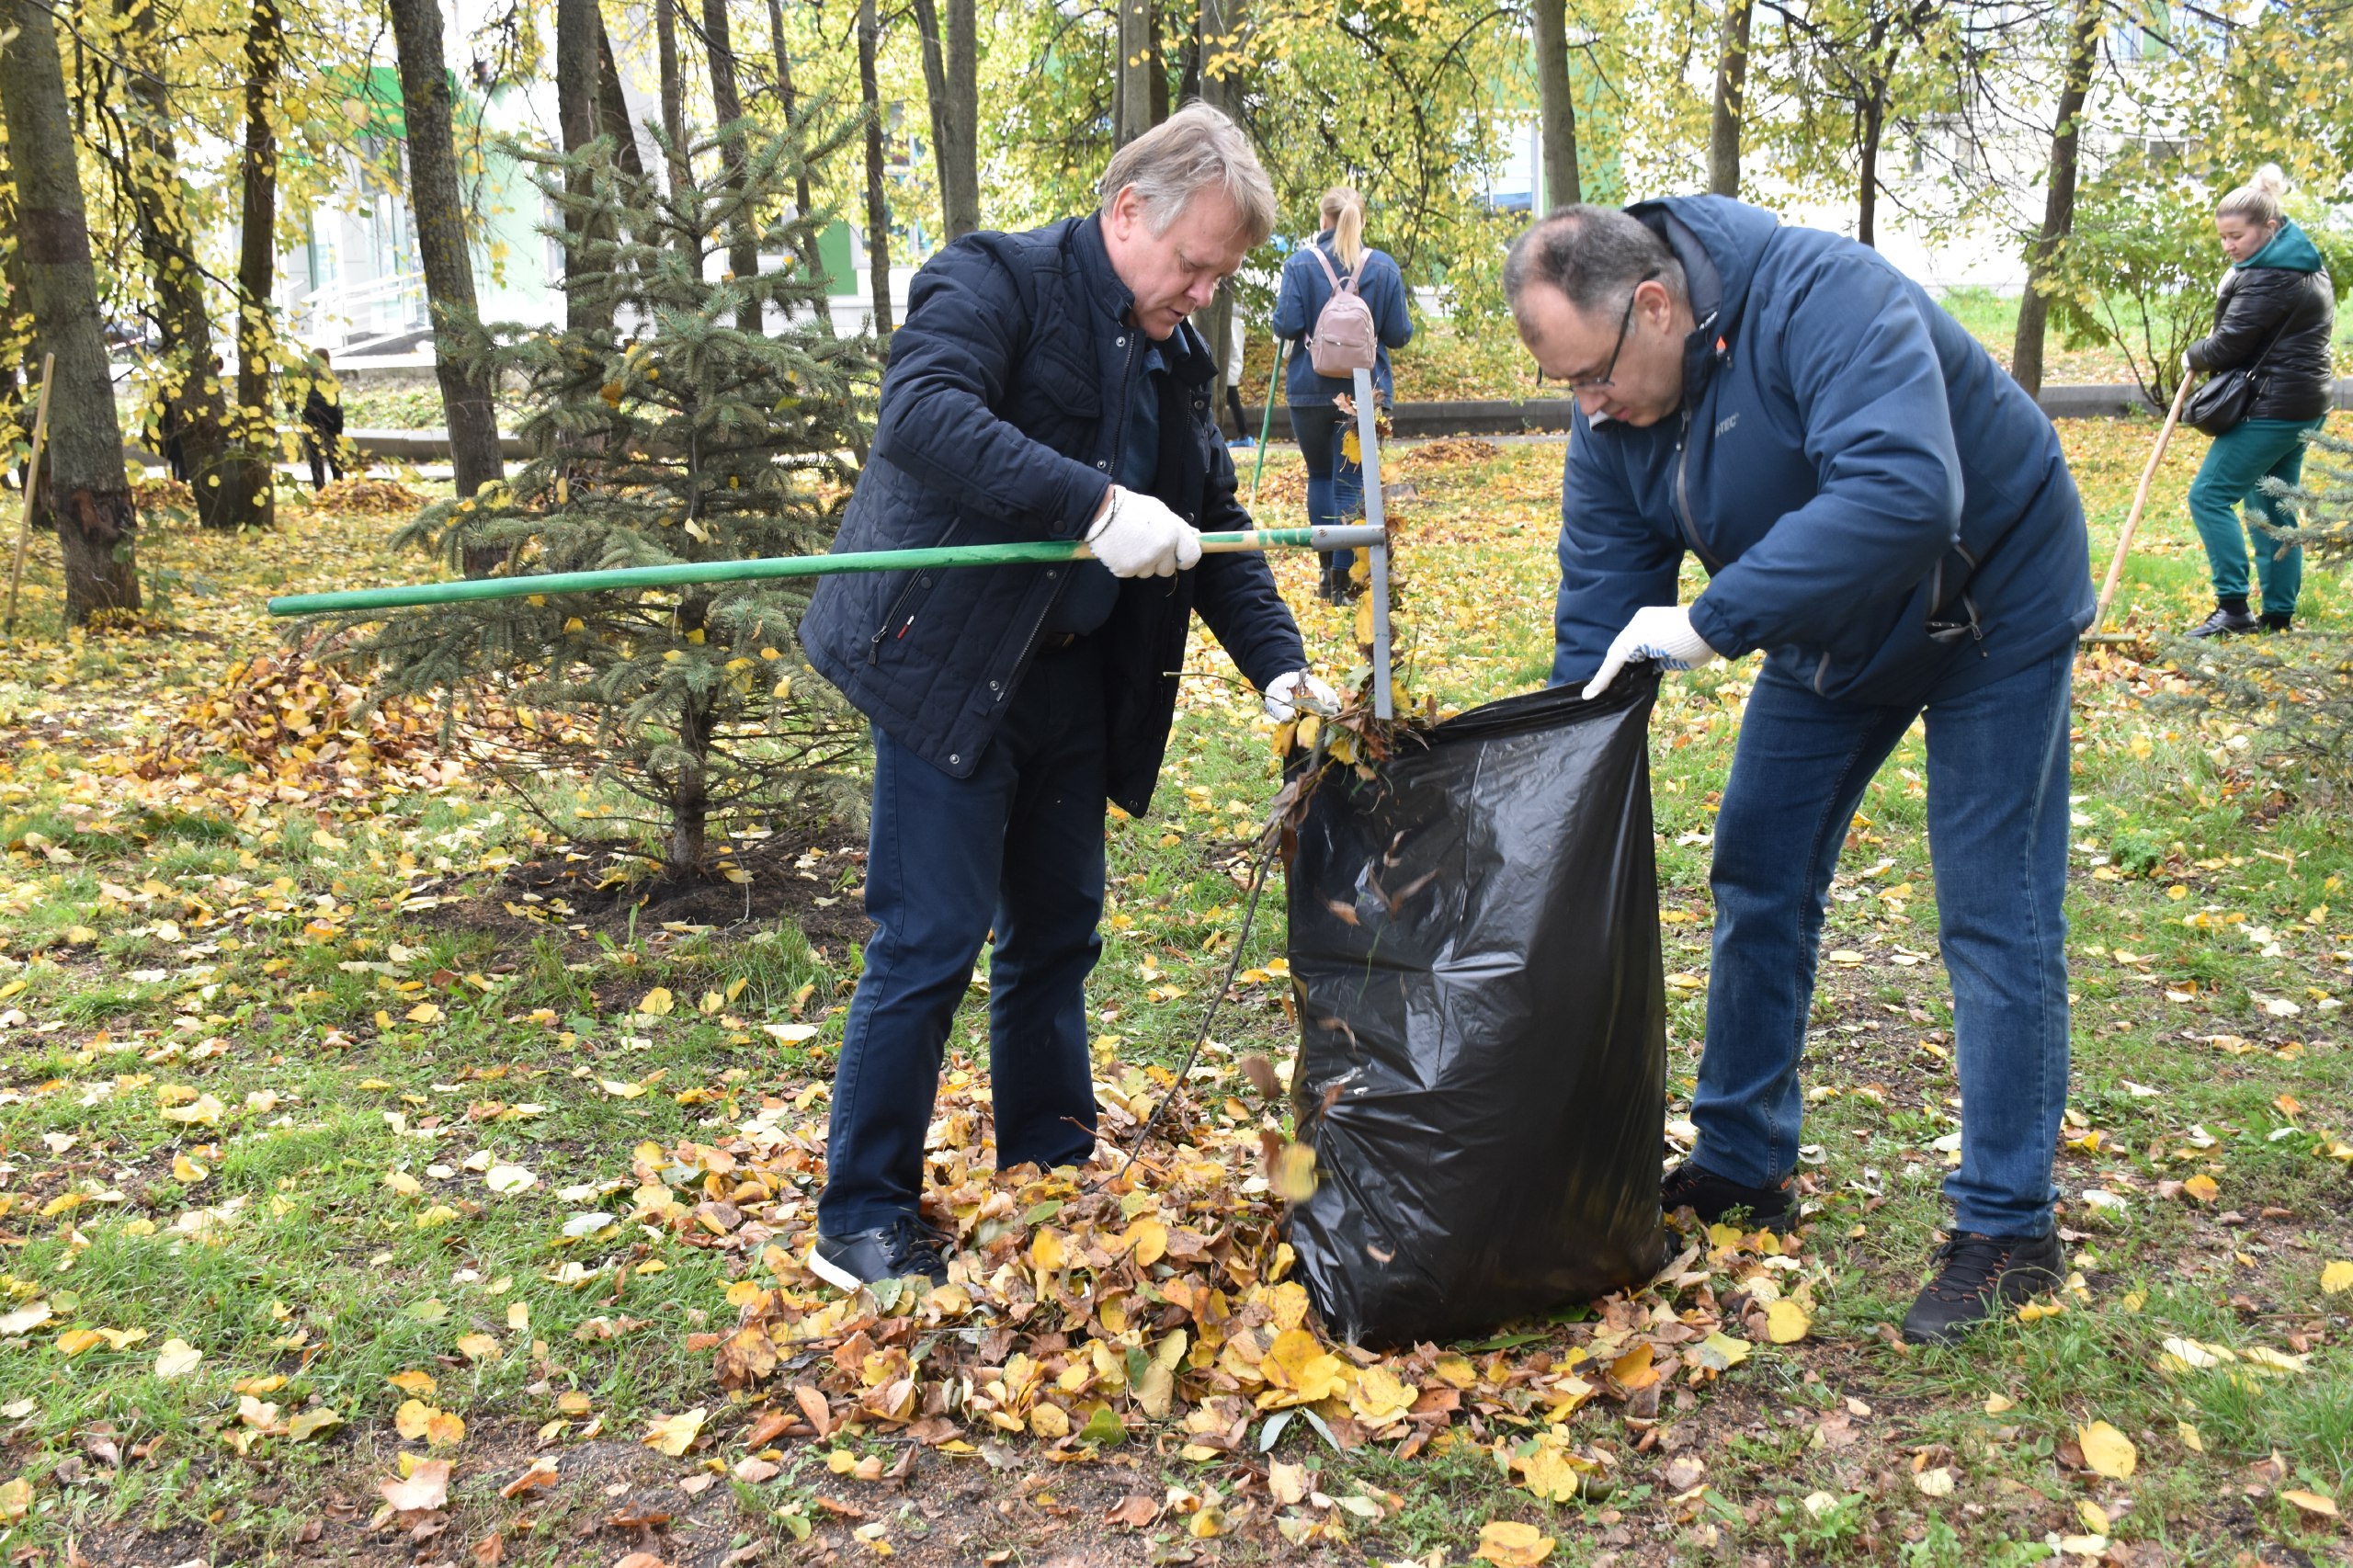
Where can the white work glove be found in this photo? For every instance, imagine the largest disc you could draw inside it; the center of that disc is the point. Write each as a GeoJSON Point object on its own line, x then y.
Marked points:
{"type": "Point", "coordinates": [1658, 632]}
{"type": "Point", "coordinates": [1283, 700]}
{"type": "Point", "coordinates": [1136, 536]}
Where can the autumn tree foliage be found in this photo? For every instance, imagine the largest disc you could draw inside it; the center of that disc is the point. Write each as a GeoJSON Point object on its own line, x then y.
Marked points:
{"type": "Point", "coordinates": [678, 434]}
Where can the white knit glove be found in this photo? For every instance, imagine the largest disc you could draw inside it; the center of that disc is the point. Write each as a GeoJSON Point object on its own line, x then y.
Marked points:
{"type": "Point", "coordinates": [1284, 701]}
{"type": "Point", "coordinates": [1136, 536]}
{"type": "Point", "coordinates": [1661, 634]}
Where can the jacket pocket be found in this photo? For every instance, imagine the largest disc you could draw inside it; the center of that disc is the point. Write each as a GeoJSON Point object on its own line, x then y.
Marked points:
{"type": "Point", "coordinates": [908, 602]}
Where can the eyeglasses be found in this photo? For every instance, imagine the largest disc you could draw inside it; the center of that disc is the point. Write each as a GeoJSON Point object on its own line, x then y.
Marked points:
{"type": "Point", "coordinates": [1603, 381]}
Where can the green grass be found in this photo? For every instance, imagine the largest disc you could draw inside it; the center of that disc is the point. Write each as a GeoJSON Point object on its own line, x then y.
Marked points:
{"type": "Point", "coordinates": [201, 937]}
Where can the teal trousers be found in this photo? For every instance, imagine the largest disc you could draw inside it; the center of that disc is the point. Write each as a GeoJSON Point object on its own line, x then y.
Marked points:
{"type": "Point", "coordinates": [2233, 472]}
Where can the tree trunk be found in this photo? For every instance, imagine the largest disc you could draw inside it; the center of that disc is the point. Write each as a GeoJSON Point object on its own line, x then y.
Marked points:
{"type": "Point", "coordinates": [1731, 77]}
{"type": "Point", "coordinates": [786, 101]}
{"type": "Point", "coordinates": [743, 242]}
{"type": "Point", "coordinates": [2059, 206]}
{"type": "Point", "coordinates": [612, 106]}
{"type": "Point", "coordinates": [195, 414]}
{"type": "Point", "coordinates": [1557, 109]}
{"type": "Point", "coordinates": [811, 261]}
{"type": "Point", "coordinates": [249, 474]}
{"type": "Point", "coordinates": [1874, 131]}
{"type": "Point", "coordinates": [435, 197]}
{"type": "Point", "coordinates": [577, 69]}
{"type": "Point", "coordinates": [89, 491]}
{"type": "Point", "coordinates": [951, 82]}
{"type": "Point", "coordinates": [1136, 65]}
{"type": "Point", "coordinates": [683, 845]}
{"type": "Point", "coordinates": [878, 210]}
{"type": "Point", "coordinates": [674, 90]}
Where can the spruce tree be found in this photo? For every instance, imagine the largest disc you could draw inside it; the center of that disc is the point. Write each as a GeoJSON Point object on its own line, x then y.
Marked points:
{"type": "Point", "coordinates": [667, 431]}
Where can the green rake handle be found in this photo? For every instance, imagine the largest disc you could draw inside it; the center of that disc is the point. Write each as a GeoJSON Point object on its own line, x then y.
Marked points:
{"type": "Point", "coordinates": [1043, 553]}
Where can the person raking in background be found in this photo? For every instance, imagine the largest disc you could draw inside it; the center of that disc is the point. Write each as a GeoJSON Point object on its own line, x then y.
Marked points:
{"type": "Point", "coordinates": [1335, 258]}
{"type": "Point", "coordinates": [322, 422]}
{"type": "Point", "coordinates": [1045, 385]}
{"type": "Point", "coordinates": [1881, 509]}
{"type": "Point", "coordinates": [2273, 319]}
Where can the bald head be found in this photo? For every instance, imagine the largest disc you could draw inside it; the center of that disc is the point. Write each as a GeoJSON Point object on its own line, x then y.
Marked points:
{"type": "Point", "coordinates": [1593, 256]}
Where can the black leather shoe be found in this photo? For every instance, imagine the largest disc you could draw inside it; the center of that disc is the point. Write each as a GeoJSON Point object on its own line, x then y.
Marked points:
{"type": "Point", "coordinates": [2224, 622]}
{"type": "Point", "coordinates": [1980, 1277]}
{"type": "Point", "coordinates": [904, 1247]}
{"type": "Point", "coordinates": [1712, 1197]}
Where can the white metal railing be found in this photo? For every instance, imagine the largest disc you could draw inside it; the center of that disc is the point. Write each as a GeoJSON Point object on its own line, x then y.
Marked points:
{"type": "Point", "coordinates": [332, 314]}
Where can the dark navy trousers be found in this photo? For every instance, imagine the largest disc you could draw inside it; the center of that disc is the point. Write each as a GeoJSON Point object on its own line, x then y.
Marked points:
{"type": "Point", "coordinates": [1017, 849]}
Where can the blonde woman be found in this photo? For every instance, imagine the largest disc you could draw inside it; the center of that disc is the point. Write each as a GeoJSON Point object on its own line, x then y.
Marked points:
{"type": "Point", "coordinates": [1335, 485]}
{"type": "Point", "coordinates": [2273, 318]}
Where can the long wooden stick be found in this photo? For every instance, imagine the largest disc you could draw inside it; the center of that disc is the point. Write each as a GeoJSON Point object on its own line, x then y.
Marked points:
{"type": "Point", "coordinates": [32, 484]}
{"type": "Point", "coordinates": [2132, 518]}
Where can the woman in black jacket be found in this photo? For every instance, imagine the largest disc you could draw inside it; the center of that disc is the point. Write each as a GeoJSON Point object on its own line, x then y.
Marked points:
{"type": "Point", "coordinates": [2274, 315]}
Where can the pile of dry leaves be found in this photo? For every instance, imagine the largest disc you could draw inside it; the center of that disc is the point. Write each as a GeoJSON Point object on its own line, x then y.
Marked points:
{"type": "Point", "coordinates": [1090, 1307]}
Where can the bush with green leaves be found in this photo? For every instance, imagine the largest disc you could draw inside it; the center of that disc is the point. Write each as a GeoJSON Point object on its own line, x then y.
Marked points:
{"type": "Point", "coordinates": [666, 432]}
{"type": "Point", "coordinates": [2140, 271]}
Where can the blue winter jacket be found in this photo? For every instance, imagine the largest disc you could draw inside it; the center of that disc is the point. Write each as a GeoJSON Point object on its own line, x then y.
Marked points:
{"type": "Point", "coordinates": [1003, 416]}
{"type": "Point", "coordinates": [1877, 504]}
{"type": "Point", "coordinates": [1305, 292]}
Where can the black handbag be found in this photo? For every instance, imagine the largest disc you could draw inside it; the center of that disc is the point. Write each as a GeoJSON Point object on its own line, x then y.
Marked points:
{"type": "Point", "coordinates": [2221, 405]}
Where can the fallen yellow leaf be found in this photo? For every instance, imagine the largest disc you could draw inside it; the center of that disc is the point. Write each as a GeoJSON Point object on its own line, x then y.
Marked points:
{"type": "Point", "coordinates": [1785, 1322]}
{"type": "Point", "coordinates": [674, 1434]}
{"type": "Point", "coordinates": [2338, 1277]}
{"type": "Point", "coordinates": [2313, 1503]}
{"type": "Point", "coordinates": [177, 1358]}
{"type": "Point", "coordinates": [1509, 1544]}
{"type": "Point", "coordinates": [2108, 1451]}
{"type": "Point", "coordinates": [656, 1002]}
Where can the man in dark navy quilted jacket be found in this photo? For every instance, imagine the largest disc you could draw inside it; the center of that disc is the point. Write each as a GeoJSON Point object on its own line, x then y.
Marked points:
{"type": "Point", "coordinates": [1045, 386]}
{"type": "Point", "coordinates": [1883, 510]}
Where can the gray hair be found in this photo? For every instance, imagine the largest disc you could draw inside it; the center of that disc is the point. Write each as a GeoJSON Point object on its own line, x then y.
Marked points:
{"type": "Point", "coordinates": [1594, 256]}
{"type": "Point", "coordinates": [1194, 149]}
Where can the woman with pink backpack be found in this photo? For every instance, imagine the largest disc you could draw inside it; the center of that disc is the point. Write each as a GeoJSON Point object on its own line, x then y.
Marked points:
{"type": "Point", "coordinates": [1342, 305]}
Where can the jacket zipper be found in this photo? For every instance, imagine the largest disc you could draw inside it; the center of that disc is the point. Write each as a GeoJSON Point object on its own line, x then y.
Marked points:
{"type": "Point", "coordinates": [882, 632]}
{"type": "Point", "coordinates": [1683, 493]}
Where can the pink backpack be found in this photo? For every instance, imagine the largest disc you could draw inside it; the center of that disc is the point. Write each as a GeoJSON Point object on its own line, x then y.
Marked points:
{"type": "Point", "coordinates": [1344, 339]}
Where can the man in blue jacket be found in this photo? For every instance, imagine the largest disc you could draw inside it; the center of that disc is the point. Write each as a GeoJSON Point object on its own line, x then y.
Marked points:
{"type": "Point", "coordinates": [1885, 512]}
{"type": "Point", "coordinates": [1045, 385]}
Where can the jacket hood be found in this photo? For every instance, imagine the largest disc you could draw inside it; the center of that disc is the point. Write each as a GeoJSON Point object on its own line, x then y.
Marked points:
{"type": "Point", "coordinates": [2289, 250]}
{"type": "Point", "coordinates": [1719, 242]}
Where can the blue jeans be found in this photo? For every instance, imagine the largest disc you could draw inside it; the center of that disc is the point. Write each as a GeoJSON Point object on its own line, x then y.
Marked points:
{"type": "Point", "coordinates": [1017, 847]}
{"type": "Point", "coordinates": [1335, 484]}
{"type": "Point", "coordinates": [2235, 467]}
{"type": "Point", "coordinates": [1997, 835]}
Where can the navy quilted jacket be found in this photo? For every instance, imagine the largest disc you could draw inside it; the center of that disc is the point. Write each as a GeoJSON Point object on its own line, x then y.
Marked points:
{"type": "Point", "coordinates": [1002, 419]}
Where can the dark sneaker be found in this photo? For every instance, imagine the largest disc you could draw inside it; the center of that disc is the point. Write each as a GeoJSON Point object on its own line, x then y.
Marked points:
{"type": "Point", "coordinates": [2224, 622]}
{"type": "Point", "coordinates": [1712, 1197]}
{"type": "Point", "coordinates": [1980, 1277]}
{"type": "Point", "coordinates": [907, 1246]}
{"type": "Point", "coordinates": [2277, 619]}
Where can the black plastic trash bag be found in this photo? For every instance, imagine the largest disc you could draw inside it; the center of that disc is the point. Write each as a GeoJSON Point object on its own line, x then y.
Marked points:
{"type": "Point", "coordinates": [1482, 1058]}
